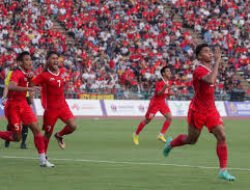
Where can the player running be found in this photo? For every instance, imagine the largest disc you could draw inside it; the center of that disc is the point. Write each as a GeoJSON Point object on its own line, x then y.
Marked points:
{"type": "Point", "coordinates": [202, 109]}
{"type": "Point", "coordinates": [18, 111]}
{"type": "Point", "coordinates": [53, 101]}
{"type": "Point", "coordinates": [25, 130]}
{"type": "Point", "coordinates": [158, 103]}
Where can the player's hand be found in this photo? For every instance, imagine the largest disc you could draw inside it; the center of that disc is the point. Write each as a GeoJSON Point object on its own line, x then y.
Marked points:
{"type": "Point", "coordinates": [4, 100]}
{"type": "Point", "coordinates": [217, 55]}
{"type": "Point", "coordinates": [34, 88]}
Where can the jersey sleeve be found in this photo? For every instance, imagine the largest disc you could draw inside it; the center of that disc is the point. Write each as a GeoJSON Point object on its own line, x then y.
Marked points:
{"type": "Point", "coordinates": [199, 73]}
{"type": "Point", "coordinates": [7, 79]}
{"type": "Point", "coordinates": [15, 76]}
{"type": "Point", "coordinates": [38, 80]}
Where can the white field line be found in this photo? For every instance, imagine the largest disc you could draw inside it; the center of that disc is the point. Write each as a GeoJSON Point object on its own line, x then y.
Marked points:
{"type": "Point", "coordinates": [123, 162]}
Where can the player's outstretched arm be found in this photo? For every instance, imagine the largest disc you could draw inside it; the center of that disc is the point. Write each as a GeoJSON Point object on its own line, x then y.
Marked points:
{"type": "Point", "coordinates": [212, 76]}
{"type": "Point", "coordinates": [14, 87]}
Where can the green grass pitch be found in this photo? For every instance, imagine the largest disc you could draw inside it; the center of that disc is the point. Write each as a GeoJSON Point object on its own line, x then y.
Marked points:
{"type": "Point", "coordinates": [100, 155]}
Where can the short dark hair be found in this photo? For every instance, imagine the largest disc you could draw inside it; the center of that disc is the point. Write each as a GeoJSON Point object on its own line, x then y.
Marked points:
{"type": "Point", "coordinates": [51, 53]}
{"type": "Point", "coordinates": [21, 55]}
{"type": "Point", "coordinates": [199, 48]}
{"type": "Point", "coordinates": [163, 69]}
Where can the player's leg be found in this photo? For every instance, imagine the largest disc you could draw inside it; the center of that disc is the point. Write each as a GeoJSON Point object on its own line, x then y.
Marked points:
{"type": "Point", "coordinates": [140, 127]}
{"type": "Point", "coordinates": [14, 134]}
{"type": "Point", "coordinates": [165, 111]}
{"type": "Point", "coordinates": [182, 139]}
{"type": "Point", "coordinates": [216, 126]}
{"type": "Point", "coordinates": [39, 143]}
{"type": "Point", "coordinates": [7, 143]}
{"type": "Point", "coordinates": [195, 124]}
{"type": "Point", "coordinates": [24, 136]}
{"type": "Point", "coordinates": [13, 117]}
{"type": "Point", "coordinates": [49, 119]}
{"type": "Point", "coordinates": [222, 152]}
{"type": "Point", "coordinates": [152, 110]}
{"type": "Point", "coordinates": [67, 117]}
{"type": "Point", "coordinates": [28, 118]}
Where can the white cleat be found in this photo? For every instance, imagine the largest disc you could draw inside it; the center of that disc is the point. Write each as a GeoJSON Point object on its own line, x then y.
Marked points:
{"type": "Point", "coordinates": [47, 164]}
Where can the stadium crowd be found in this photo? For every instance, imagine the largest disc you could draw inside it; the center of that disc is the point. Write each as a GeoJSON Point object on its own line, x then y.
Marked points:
{"type": "Point", "coordinates": [119, 47]}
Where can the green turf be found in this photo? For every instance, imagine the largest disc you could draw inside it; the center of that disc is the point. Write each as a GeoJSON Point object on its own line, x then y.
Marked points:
{"type": "Point", "coordinates": [101, 156]}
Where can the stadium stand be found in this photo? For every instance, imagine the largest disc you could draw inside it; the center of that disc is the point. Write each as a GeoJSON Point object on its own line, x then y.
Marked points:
{"type": "Point", "coordinates": [119, 47]}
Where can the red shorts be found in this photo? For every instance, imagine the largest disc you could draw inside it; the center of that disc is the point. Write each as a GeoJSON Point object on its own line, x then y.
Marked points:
{"type": "Point", "coordinates": [6, 110]}
{"type": "Point", "coordinates": [154, 107]}
{"type": "Point", "coordinates": [51, 115]}
{"type": "Point", "coordinates": [210, 119]}
{"type": "Point", "coordinates": [17, 113]}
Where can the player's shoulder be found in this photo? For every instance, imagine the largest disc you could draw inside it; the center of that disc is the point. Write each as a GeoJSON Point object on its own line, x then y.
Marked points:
{"type": "Point", "coordinates": [201, 67]}
{"type": "Point", "coordinates": [159, 82]}
{"type": "Point", "coordinates": [200, 70]}
{"type": "Point", "coordinates": [16, 72]}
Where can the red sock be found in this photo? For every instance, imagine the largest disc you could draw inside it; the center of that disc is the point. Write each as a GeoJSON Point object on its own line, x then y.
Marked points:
{"type": "Point", "coordinates": [179, 141]}
{"type": "Point", "coordinates": [6, 135]}
{"type": "Point", "coordinates": [39, 143]}
{"type": "Point", "coordinates": [222, 154]}
{"type": "Point", "coordinates": [140, 127]}
{"type": "Point", "coordinates": [46, 143]}
{"type": "Point", "coordinates": [165, 126]}
{"type": "Point", "coordinates": [65, 131]}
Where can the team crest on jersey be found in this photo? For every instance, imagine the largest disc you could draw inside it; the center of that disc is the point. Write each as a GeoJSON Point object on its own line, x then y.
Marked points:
{"type": "Point", "coordinates": [52, 79]}
{"type": "Point", "coordinates": [64, 76]}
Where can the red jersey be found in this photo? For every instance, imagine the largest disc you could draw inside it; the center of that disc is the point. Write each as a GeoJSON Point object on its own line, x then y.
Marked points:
{"type": "Point", "coordinates": [158, 87]}
{"type": "Point", "coordinates": [52, 89]}
{"type": "Point", "coordinates": [19, 77]}
{"type": "Point", "coordinates": [203, 99]}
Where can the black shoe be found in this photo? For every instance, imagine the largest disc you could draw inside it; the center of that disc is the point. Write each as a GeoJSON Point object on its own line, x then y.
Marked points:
{"type": "Point", "coordinates": [7, 144]}
{"type": "Point", "coordinates": [23, 146]}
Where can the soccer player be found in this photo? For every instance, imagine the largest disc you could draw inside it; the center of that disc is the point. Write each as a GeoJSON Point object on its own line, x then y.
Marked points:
{"type": "Point", "coordinates": [158, 103]}
{"type": "Point", "coordinates": [202, 109]}
{"type": "Point", "coordinates": [18, 111]}
{"type": "Point", "coordinates": [24, 127]}
{"type": "Point", "coordinates": [53, 101]}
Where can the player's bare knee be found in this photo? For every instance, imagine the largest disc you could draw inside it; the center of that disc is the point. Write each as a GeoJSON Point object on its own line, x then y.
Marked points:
{"type": "Point", "coordinates": [169, 118]}
{"type": "Point", "coordinates": [73, 126]}
{"type": "Point", "coordinates": [147, 121]}
{"type": "Point", "coordinates": [221, 138]}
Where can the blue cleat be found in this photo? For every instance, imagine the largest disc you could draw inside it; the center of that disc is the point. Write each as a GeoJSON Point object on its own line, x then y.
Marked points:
{"type": "Point", "coordinates": [167, 147]}
{"type": "Point", "coordinates": [224, 174]}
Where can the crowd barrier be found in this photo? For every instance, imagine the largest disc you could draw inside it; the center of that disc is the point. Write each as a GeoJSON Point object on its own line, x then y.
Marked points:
{"type": "Point", "coordinates": [130, 108]}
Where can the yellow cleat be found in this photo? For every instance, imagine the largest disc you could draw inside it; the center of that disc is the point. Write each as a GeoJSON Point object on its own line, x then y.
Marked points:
{"type": "Point", "coordinates": [136, 139]}
{"type": "Point", "coordinates": [161, 138]}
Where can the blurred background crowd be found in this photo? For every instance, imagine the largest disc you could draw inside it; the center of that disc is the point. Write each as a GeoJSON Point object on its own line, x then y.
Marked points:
{"type": "Point", "coordinates": [119, 46]}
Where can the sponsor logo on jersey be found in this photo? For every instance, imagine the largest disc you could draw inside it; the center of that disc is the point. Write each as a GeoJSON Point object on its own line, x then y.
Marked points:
{"type": "Point", "coordinates": [51, 79]}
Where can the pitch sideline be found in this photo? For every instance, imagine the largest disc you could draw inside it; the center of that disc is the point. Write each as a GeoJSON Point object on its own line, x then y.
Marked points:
{"type": "Point", "coordinates": [124, 162]}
